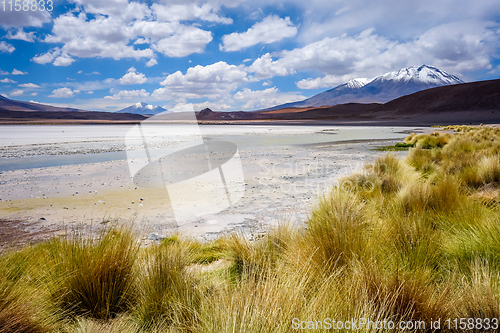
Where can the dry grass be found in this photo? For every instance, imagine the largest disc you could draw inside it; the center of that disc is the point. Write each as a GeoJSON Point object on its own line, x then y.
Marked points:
{"type": "Point", "coordinates": [410, 239]}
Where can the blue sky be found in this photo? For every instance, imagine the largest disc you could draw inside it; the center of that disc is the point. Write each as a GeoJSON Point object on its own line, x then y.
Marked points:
{"type": "Point", "coordinates": [232, 54]}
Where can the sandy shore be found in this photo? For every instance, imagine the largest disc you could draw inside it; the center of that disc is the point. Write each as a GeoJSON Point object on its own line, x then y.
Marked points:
{"type": "Point", "coordinates": [282, 184]}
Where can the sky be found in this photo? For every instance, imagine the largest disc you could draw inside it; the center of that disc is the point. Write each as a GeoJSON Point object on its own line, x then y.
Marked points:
{"type": "Point", "coordinates": [232, 54]}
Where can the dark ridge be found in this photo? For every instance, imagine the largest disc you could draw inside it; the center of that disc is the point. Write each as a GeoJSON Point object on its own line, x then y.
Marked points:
{"type": "Point", "coordinates": [465, 103]}
{"type": "Point", "coordinates": [473, 96]}
{"type": "Point", "coordinates": [13, 105]}
{"type": "Point", "coordinates": [68, 115]}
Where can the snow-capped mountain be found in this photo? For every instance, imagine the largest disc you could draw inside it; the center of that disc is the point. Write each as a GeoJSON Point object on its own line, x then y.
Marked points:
{"type": "Point", "coordinates": [381, 89]}
{"type": "Point", "coordinates": [143, 108]}
{"type": "Point", "coordinates": [407, 81]}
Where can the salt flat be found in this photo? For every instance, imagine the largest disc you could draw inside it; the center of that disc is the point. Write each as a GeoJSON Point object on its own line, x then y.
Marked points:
{"type": "Point", "coordinates": [82, 178]}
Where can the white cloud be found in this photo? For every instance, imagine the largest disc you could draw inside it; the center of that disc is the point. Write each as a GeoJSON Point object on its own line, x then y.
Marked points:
{"type": "Point", "coordinates": [213, 106]}
{"type": "Point", "coordinates": [459, 46]}
{"type": "Point", "coordinates": [29, 85]}
{"type": "Point", "coordinates": [189, 12]}
{"type": "Point", "coordinates": [7, 80]}
{"type": "Point", "coordinates": [6, 47]}
{"type": "Point", "coordinates": [18, 92]}
{"type": "Point", "coordinates": [327, 81]}
{"type": "Point", "coordinates": [129, 94]}
{"type": "Point", "coordinates": [142, 41]}
{"type": "Point", "coordinates": [342, 10]}
{"type": "Point", "coordinates": [151, 63]}
{"type": "Point", "coordinates": [63, 60]}
{"type": "Point", "coordinates": [211, 81]}
{"type": "Point", "coordinates": [116, 24]}
{"type": "Point", "coordinates": [260, 99]}
{"type": "Point", "coordinates": [47, 57]}
{"type": "Point", "coordinates": [64, 93]}
{"type": "Point", "coordinates": [186, 41]}
{"type": "Point", "coordinates": [34, 94]}
{"type": "Point", "coordinates": [18, 19]}
{"type": "Point", "coordinates": [22, 35]}
{"type": "Point", "coordinates": [270, 30]}
{"type": "Point", "coordinates": [17, 72]}
{"type": "Point", "coordinates": [265, 67]}
{"type": "Point", "coordinates": [133, 77]}
{"type": "Point", "coordinates": [401, 20]}
{"type": "Point", "coordinates": [454, 47]}
{"type": "Point", "coordinates": [102, 37]}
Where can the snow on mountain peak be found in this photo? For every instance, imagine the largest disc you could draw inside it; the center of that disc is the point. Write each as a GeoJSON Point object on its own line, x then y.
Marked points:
{"type": "Point", "coordinates": [357, 83]}
{"type": "Point", "coordinates": [424, 74]}
{"type": "Point", "coordinates": [143, 108]}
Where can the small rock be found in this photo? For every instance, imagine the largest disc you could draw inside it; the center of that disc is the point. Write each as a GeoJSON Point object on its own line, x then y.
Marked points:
{"type": "Point", "coordinates": [155, 236]}
{"type": "Point", "coordinates": [42, 218]}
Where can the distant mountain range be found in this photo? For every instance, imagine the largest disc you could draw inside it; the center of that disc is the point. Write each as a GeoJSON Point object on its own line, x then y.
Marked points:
{"type": "Point", "coordinates": [381, 89]}
{"type": "Point", "coordinates": [143, 109]}
{"type": "Point", "coordinates": [466, 103]}
{"type": "Point", "coordinates": [451, 102]}
{"type": "Point", "coordinates": [13, 105]}
{"type": "Point", "coordinates": [12, 111]}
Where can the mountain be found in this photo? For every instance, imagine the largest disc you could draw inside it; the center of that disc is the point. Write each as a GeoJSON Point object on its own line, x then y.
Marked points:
{"type": "Point", "coordinates": [12, 111]}
{"type": "Point", "coordinates": [381, 89]}
{"type": "Point", "coordinates": [466, 103]}
{"type": "Point", "coordinates": [13, 105]}
{"type": "Point", "coordinates": [407, 81]}
{"type": "Point", "coordinates": [143, 109]}
{"type": "Point", "coordinates": [325, 98]}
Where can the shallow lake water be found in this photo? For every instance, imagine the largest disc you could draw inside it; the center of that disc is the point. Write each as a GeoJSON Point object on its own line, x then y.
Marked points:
{"type": "Point", "coordinates": [36, 146]}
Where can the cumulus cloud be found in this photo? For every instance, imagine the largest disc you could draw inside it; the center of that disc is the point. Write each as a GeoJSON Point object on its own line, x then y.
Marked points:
{"type": "Point", "coordinates": [183, 42]}
{"type": "Point", "coordinates": [56, 55]}
{"type": "Point", "coordinates": [402, 20]}
{"type": "Point", "coordinates": [6, 47]}
{"type": "Point", "coordinates": [21, 35]}
{"type": "Point", "coordinates": [260, 99]}
{"type": "Point", "coordinates": [133, 77]}
{"type": "Point", "coordinates": [63, 60]}
{"type": "Point", "coordinates": [64, 93]}
{"type": "Point", "coordinates": [18, 72]}
{"type": "Point", "coordinates": [151, 63]}
{"type": "Point", "coordinates": [212, 81]}
{"type": "Point", "coordinates": [29, 85]}
{"type": "Point", "coordinates": [454, 47]}
{"type": "Point", "coordinates": [213, 106]}
{"type": "Point", "coordinates": [460, 46]}
{"type": "Point", "coordinates": [114, 25]}
{"type": "Point", "coordinates": [265, 67]}
{"type": "Point", "coordinates": [327, 81]}
{"type": "Point", "coordinates": [7, 80]}
{"type": "Point", "coordinates": [270, 30]}
{"type": "Point", "coordinates": [18, 92]}
{"type": "Point", "coordinates": [128, 94]}
{"type": "Point", "coordinates": [18, 19]}
{"type": "Point", "coordinates": [188, 12]}
{"type": "Point", "coordinates": [47, 57]}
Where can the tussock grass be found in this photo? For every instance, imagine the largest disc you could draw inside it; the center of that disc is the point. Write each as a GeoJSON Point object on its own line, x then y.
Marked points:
{"type": "Point", "coordinates": [166, 289]}
{"type": "Point", "coordinates": [336, 229]}
{"type": "Point", "coordinates": [404, 239]}
{"type": "Point", "coordinates": [94, 277]}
